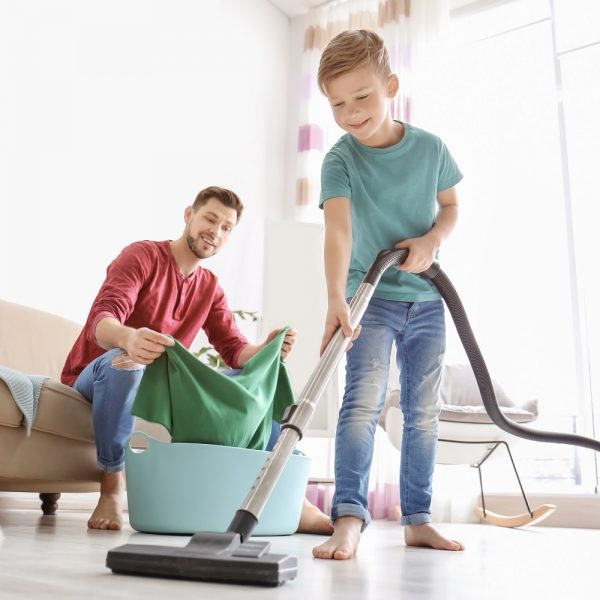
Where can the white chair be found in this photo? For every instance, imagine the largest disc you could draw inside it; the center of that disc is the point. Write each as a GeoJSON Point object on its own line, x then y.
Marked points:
{"type": "Point", "coordinates": [468, 436]}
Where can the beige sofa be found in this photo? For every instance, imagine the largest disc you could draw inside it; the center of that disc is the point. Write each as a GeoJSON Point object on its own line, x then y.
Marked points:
{"type": "Point", "coordinates": [60, 454]}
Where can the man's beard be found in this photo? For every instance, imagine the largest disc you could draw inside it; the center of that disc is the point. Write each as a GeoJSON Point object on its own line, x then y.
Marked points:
{"type": "Point", "coordinates": [193, 246]}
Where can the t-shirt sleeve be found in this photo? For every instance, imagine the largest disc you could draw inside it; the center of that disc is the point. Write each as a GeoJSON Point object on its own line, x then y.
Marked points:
{"type": "Point", "coordinates": [117, 297]}
{"type": "Point", "coordinates": [449, 174]}
{"type": "Point", "coordinates": [335, 181]}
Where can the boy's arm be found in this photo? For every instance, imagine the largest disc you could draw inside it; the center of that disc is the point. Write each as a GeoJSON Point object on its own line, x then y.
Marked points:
{"type": "Point", "coordinates": [338, 247]}
{"type": "Point", "coordinates": [421, 250]}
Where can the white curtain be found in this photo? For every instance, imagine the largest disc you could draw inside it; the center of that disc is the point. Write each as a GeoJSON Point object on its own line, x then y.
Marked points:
{"type": "Point", "coordinates": [412, 32]}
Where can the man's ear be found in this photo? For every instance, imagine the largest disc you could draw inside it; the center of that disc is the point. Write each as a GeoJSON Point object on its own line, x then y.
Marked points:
{"type": "Point", "coordinates": [187, 215]}
{"type": "Point", "coordinates": [393, 85]}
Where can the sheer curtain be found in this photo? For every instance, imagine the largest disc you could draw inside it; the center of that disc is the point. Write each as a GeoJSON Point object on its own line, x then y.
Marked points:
{"type": "Point", "coordinates": [413, 33]}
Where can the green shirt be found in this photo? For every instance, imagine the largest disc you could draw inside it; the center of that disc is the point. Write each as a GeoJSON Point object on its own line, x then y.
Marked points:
{"type": "Point", "coordinates": [393, 197]}
{"type": "Point", "coordinates": [199, 404]}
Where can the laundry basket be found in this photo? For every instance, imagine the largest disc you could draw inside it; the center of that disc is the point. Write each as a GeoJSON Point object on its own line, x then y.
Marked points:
{"type": "Point", "coordinates": [181, 488]}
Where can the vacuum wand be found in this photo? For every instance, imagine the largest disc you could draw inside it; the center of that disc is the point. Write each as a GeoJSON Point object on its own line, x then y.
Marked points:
{"type": "Point", "coordinates": [298, 416]}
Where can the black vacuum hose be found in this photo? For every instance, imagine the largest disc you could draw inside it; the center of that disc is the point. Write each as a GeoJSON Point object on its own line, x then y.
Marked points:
{"type": "Point", "coordinates": [387, 258]}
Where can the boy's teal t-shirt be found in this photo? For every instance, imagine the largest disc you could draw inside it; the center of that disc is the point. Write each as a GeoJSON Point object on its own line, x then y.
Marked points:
{"type": "Point", "coordinates": [392, 193]}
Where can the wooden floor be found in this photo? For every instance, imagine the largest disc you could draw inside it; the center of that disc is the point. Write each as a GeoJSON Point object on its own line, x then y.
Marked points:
{"type": "Point", "coordinates": [57, 557]}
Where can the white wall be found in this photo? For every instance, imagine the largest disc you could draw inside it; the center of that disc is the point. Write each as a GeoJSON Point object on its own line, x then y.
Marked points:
{"type": "Point", "coordinates": [113, 115]}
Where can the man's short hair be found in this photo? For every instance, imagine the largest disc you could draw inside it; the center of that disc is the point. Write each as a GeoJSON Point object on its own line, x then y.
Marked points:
{"type": "Point", "coordinates": [351, 50]}
{"type": "Point", "coordinates": [223, 195]}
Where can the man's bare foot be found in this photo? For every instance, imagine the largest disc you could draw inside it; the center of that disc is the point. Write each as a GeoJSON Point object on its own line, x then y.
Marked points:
{"type": "Point", "coordinates": [108, 511]}
{"type": "Point", "coordinates": [344, 541]}
{"type": "Point", "coordinates": [427, 535]}
{"type": "Point", "coordinates": [312, 520]}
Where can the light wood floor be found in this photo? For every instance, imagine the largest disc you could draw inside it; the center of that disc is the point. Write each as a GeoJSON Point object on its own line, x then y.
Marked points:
{"type": "Point", "coordinates": [57, 557]}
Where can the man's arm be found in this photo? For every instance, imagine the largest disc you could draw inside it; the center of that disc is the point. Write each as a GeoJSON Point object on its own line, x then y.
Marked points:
{"type": "Point", "coordinates": [337, 251]}
{"type": "Point", "coordinates": [249, 350]}
{"type": "Point", "coordinates": [421, 250]}
{"type": "Point", "coordinates": [142, 345]}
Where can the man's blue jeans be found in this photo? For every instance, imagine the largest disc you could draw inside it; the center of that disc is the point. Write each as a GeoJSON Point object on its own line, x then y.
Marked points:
{"type": "Point", "coordinates": [111, 391]}
{"type": "Point", "coordinates": [418, 330]}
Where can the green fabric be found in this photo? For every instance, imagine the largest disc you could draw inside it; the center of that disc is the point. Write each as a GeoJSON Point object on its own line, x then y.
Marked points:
{"type": "Point", "coordinates": [198, 404]}
{"type": "Point", "coordinates": [393, 197]}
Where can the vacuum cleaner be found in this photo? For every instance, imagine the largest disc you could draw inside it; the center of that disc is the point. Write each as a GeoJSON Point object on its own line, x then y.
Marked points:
{"type": "Point", "coordinates": [232, 557]}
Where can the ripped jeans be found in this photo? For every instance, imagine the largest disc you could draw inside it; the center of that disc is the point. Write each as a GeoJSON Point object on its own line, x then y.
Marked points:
{"type": "Point", "coordinates": [418, 330]}
{"type": "Point", "coordinates": [111, 391]}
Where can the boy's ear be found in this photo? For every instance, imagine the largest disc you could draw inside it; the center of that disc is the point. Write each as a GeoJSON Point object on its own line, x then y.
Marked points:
{"type": "Point", "coordinates": [393, 85]}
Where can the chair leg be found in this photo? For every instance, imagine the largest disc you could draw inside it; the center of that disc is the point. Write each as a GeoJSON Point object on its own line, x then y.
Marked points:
{"type": "Point", "coordinates": [49, 502]}
{"type": "Point", "coordinates": [514, 466]}
{"type": "Point", "coordinates": [517, 476]}
{"type": "Point", "coordinates": [531, 517]}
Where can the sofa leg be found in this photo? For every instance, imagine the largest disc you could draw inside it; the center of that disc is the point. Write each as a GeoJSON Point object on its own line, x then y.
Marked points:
{"type": "Point", "coordinates": [49, 502]}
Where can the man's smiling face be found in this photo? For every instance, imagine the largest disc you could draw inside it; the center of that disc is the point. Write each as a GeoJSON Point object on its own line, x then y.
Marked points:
{"type": "Point", "coordinates": [209, 227]}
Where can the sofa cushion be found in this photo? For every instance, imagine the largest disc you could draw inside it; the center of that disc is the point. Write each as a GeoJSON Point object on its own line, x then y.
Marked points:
{"type": "Point", "coordinates": [34, 341]}
{"type": "Point", "coordinates": [65, 412]}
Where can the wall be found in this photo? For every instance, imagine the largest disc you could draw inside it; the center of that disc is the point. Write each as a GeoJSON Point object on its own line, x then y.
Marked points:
{"type": "Point", "coordinates": [113, 116]}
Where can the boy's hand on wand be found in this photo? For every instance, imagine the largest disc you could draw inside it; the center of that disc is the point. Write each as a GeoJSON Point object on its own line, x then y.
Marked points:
{"type": "Point", "coordinates": [338, 315]}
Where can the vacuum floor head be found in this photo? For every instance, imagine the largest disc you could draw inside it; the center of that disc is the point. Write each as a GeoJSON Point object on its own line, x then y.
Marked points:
{"type": "Point", "coordinates": [218, 557]}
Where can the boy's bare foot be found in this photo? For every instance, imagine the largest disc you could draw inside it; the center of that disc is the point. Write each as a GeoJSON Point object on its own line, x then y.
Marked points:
{"type": "Point", "coordinates": [427, 535]}
{"type": "Point", "coordinates": [312, 520]}
{"type": "Point", "coordinates": [344, 541]}
{"type": "Point", "coordinates": [108, 511]}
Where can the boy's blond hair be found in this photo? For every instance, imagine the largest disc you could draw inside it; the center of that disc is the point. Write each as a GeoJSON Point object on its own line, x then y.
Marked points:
{"type": "Point", "coordinates": [351, 50]}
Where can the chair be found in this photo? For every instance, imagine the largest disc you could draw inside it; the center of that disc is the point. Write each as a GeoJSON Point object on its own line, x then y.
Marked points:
{"type": "Point", "coordinates": [468, 436]}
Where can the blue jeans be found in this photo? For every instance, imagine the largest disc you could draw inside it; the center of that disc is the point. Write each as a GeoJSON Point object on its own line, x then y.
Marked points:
{"type": "Point", "coordinates": [418, 330]}
{"type": "Point", "coordinates": [111, 391]}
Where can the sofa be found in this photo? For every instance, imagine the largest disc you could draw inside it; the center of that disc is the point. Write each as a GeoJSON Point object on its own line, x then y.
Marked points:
{"type": "Point", "coordinates": [60, 453]}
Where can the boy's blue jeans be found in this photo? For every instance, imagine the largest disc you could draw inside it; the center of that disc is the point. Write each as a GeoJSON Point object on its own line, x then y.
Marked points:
{"type": "Point", "coordinates": [418, 330]}
{"type": "Point", "coordinates": [111, 391]}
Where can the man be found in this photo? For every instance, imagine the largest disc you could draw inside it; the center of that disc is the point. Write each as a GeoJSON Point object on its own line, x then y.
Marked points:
{"type": "Point", "coordinates": [154, 290]}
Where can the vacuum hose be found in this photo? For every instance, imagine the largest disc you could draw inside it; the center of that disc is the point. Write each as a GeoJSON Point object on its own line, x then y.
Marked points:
{"type": "Point", "coordinates": [387, 258]}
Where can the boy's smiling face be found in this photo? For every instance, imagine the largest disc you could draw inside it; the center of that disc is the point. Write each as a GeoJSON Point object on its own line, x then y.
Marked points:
{"type": "Point", "coordinates": [359, 101]}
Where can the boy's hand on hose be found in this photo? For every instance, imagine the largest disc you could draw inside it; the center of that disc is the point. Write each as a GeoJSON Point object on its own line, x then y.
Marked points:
{"type": "Point", "coordinates": [338, 315]}
{"type": "Point", "coordinates": [421, 253]}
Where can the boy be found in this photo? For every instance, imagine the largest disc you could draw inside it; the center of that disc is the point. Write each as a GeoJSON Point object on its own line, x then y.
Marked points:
{"type": "Point", "coordinates": [379, 187]}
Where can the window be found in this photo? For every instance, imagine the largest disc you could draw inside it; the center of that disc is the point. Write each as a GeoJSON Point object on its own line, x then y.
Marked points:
{"type": "Point", "coordinates": [528, 150]}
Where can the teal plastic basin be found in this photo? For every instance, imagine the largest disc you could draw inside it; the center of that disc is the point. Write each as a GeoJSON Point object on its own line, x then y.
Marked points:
{"type": "Point", "coordinates": [184, 488]}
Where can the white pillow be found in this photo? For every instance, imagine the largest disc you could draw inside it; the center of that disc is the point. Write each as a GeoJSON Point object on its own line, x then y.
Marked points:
{"type": "Point", "coordinates": [459, 388]}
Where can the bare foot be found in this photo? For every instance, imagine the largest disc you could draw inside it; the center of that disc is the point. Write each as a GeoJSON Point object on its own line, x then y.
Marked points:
{"type": "Point", "coordinates": [427, 535]}
{"type": "Point", "coordinates": [312, 520]}
{"type": "Point", "coordinates": [108, 511]}
{"type": "Point", "coordinates": [343, 543]}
